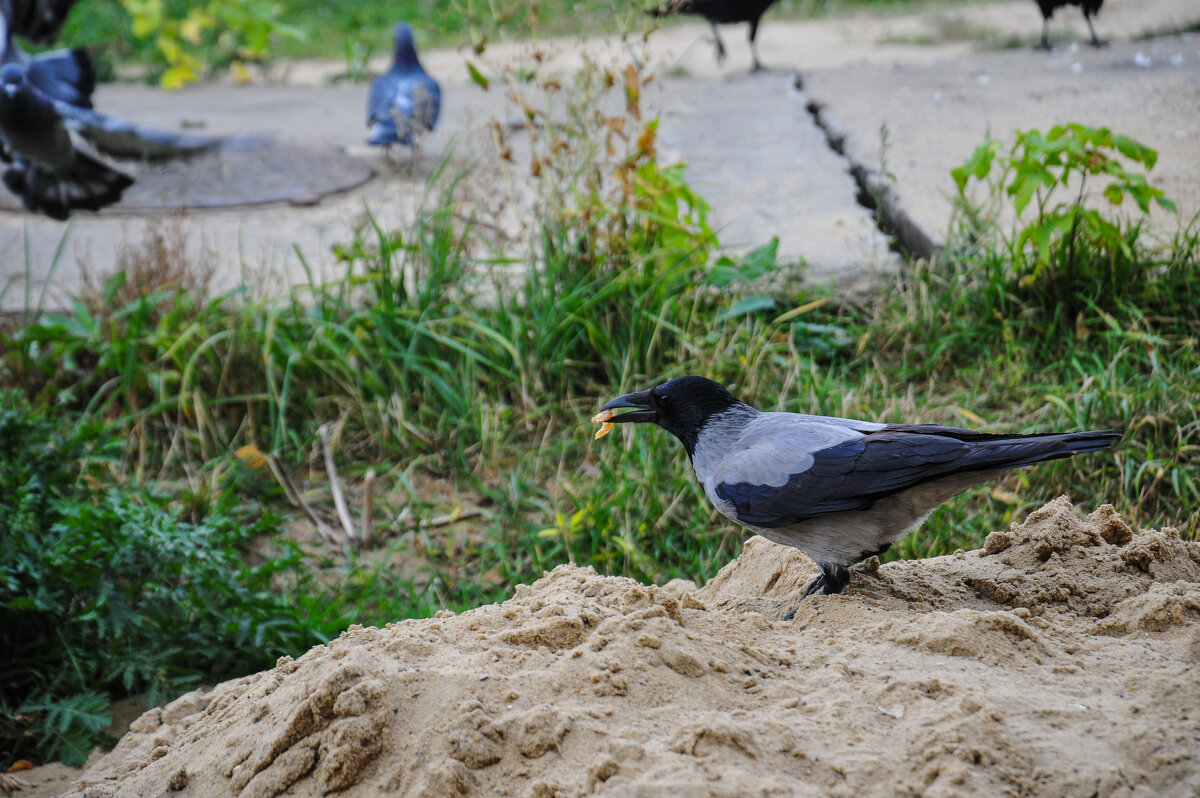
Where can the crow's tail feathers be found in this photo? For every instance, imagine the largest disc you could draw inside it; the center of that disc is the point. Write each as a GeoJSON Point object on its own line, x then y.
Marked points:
{"type": "Point", "coordinates": [1018, 451]}
{"type": "Point", "coordinates": [64, 75]}
{"type": "Point", "coordinates": [89, 185]}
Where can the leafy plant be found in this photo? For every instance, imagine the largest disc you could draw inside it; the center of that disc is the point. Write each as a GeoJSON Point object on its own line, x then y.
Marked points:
{"type": "Point", "coordinates": [1068, 247]}
{"type": "Point", "coordinates": [215, 34]}
{"type": "Point", "coordinates": [107, 591]}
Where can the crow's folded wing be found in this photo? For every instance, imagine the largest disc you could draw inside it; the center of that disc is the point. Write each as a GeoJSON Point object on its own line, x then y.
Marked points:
{"type": "Point", "coordinates": [854, 473]}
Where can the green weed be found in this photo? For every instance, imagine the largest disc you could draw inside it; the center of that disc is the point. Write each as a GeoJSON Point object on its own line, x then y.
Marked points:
{"type": "Point", "coordinates": [108, 591]}
{"type": "Point", "coordinates": [1070, 252]}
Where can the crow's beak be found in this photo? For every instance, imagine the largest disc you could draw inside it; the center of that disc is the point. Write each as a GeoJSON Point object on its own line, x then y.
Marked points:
{"type": "Point", "coordinates": [640, 400]}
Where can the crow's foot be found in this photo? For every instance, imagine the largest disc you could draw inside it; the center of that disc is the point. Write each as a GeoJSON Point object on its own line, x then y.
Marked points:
{"type": "Point", "coordinates": [832, 580]}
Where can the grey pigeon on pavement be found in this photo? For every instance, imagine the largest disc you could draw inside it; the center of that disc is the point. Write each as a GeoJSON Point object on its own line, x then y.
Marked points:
{"type": "Point", "coordinates": [404, 102]}
{"type": "Point", "coordinates": [48, 171]}
{"type": "Point", "coordinates": [840, 490]}
{"type": "Point", "coordinates": [722, 12]}
{"type": "Point", "coordinates": [1090, 8]}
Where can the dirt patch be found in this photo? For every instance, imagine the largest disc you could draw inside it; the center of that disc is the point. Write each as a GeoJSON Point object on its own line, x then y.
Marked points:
{"type": "Point", "coordinates": [1058, 660]}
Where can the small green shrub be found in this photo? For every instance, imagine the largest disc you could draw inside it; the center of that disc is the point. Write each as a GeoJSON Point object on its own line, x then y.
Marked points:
{"type": "Point", "coordinates": [214, 34]}
{"type": "Point", "coordinates": [1069, 252]}
{"type": "Point", "coordinates": [108, 592]}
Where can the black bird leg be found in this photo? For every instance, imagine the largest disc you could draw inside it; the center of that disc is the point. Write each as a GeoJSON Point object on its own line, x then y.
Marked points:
{"type": "Point", "coordinates": [835, 577]}
{"type": "Point", "coordinates": [1045, 43]}
{"type": "Point", "coordinates": [832, 580]}
{"type": "Point", "coordinates": [1096, 42]}
{"type": "Point", "coordinates": [753, 47]}
{"type": "Point", "coordinates": [720, 44]}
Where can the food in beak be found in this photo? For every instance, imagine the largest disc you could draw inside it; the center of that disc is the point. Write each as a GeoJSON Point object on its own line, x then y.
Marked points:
{"type": "Point", "coordinates": [602, 418]}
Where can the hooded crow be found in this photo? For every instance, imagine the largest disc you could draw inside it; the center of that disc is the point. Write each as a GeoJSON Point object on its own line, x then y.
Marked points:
{"type": "Point", "coordinates": [840, 490]}
{"type": "Point", "coordinates": [1090, 8]}
{"type": "Point", "coordinates": [722, 12]}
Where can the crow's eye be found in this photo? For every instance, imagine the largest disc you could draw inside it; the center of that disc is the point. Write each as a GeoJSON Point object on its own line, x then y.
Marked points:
{"type": "Point", "coordinates": [664, 401]}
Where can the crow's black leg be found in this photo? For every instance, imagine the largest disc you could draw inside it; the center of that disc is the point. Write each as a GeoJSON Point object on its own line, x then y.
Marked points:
{"type": "Point", "coordinates": [837, 576]}
{"type": "Point", "coordinates": [813, 587]}
{"type": "Point", "coordinates": [832, 580]}
{"type": "Point", "coordinates": [1045, 43]}
{"type": "Point", "coordinates": [1095, 39]}
{"type": "Point", "coordinates": [753, 47]}
{"type": "Point", "coordinates": [720, 44]}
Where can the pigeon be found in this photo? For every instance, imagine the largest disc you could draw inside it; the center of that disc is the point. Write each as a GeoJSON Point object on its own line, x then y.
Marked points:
{"type": "Point", "coordinates": [65, 75]}
{"type": "Point", "coordinates": [1090, 9]}
{"type": "Point", "coordinates": [48, 125]}
{"type": "Point", "coordinates": [48, 171]}
{"type": "Point", "coordinates": [723, 12]}
{"type": "Point", "coordinates": [839, 489]}
{"type": "Point", "coordinates": [404, 102]}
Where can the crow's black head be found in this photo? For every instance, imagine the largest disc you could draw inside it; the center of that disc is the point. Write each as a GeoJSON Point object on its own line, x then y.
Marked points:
{"type": "Point", "coordinates": [681, 406]}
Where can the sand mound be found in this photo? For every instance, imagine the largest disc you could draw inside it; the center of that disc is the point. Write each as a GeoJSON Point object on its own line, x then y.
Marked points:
{"type": "Point", "coordinates": [1061, 659]}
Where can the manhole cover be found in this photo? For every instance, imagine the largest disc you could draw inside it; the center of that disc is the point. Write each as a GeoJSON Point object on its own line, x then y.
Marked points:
{"type": "Point", "coordinates": [251, 173]}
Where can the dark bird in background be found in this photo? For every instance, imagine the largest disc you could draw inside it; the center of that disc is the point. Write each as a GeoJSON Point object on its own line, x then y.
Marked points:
{"type": "Point", "coordinates": [404, 102]}
{"type": "Point", "coordinates": [722, 12]}
{"type": "Point", "coordinates": [1090, 9]}
{"type": "Point", "coordinates": [840, 490]}
{"type": "Point", "coordinates": [37, 20]}
{"type": "Point", "coordinates": [48, 171]}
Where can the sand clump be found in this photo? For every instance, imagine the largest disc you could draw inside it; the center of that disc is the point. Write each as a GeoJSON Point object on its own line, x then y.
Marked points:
{"type": "Point", "coordinates": [1060, 659]}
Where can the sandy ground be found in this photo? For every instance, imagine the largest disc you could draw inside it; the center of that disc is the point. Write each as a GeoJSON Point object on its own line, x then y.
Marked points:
{"type": "Point", "coordinates": [752, 147]}
{"type": "Point", "coordinates": [1060, 659]}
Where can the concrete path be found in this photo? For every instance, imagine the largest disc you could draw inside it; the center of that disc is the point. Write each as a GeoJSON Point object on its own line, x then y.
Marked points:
{"type": "Point", "coordinates": [752, 145]}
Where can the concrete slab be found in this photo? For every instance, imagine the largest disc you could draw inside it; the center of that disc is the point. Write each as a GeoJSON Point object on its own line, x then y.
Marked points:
{"type": "Point", "coordinates": [935, 114]}
{"type": "Point", "coordinates": [747, 139]}
{"type": "Point", "coordinates": [754, 153]}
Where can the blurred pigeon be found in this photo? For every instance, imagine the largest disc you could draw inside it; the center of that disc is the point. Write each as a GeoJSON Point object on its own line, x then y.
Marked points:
{"type": "Point", "coordinates": [722, 12]}
{"type": "Point", "coordinates": [65, 75]}
{"type": "Point", "coordinates": [48, 127]}
{"type": "Point", "coordinates": [841, 490]}
{"type": "Point", "coordinates": [48, 171]}
{"type": "Point", "coordinates": [1090, 9]}
{"type": "Point", "coordinates": [404, 102]}
{"type": "Point", "coordinates": [68, 80]}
